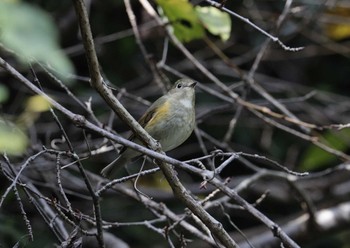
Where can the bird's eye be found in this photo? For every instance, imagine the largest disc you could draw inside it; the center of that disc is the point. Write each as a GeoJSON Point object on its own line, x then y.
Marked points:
{"type": "Point", "coordinates": [179, 86]}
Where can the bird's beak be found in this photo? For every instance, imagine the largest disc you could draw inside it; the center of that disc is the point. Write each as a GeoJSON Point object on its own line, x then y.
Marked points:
{"type": "Point", "coordinates": [193, 84]}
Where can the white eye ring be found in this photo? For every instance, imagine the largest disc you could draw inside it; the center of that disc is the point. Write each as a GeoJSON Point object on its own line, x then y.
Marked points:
{"type": "Point", "coordinates": [179, 86]}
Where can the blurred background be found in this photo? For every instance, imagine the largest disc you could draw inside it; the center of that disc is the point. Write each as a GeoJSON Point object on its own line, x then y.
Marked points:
{"type": "Point", "coordinates": [41, 39]}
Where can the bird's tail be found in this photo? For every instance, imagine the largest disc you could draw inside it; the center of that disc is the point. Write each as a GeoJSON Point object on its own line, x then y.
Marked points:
{"type": "Point", "coordinates": [111, 169]}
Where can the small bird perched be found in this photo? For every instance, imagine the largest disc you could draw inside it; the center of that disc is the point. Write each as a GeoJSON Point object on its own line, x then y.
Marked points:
{"type": "Point", "coordinates": [169, 120]}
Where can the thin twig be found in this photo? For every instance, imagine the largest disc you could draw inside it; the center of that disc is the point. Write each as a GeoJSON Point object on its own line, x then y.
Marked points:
{"type": "Point", "coordinates": [246, 20]}
{"type": "Point", "coordinates": [144, 52]}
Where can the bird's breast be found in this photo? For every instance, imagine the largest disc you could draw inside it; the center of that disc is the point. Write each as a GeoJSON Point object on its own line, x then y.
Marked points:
{"type": "Point", "coordinates": [173, 124]}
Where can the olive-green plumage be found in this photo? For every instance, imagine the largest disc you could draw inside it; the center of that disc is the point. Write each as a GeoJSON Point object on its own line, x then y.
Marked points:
{"type": "Point", "coordinates": [170, 120]}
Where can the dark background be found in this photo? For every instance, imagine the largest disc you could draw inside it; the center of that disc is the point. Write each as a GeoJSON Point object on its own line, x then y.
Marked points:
{"type": "Point", "coordinates": [321, 68]}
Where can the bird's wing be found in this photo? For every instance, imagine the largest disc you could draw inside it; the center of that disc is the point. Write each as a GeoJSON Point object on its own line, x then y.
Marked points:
{"type": "Point", "coordinates": [151, 111]}
{"type": "Point", "coordinates": [147, 116]}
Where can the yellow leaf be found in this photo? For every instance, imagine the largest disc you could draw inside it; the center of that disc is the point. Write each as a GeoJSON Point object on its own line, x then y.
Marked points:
{"type": "Point", "coordinates": [338, 30]}
{"type": "Point", "coordinates": [37, 104]}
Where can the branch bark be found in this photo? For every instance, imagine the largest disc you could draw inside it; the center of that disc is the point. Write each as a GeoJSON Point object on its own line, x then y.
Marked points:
{"type": "Point", "coordinates": [327, 220]}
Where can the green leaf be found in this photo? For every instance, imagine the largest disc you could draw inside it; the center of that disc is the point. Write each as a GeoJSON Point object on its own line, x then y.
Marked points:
{"type": "Point", "coordinates": [32, 35]}
{"type": "Point", "coordinates": [215, 21]}
{"type": "Point", "coordinates": [183, 19]}
{"type": "Point", "coordinates": [4, 93]}
{"type": "Point", "coordinates": [317, 158]}
{"type": "Point", "coordinates": [12, 139]}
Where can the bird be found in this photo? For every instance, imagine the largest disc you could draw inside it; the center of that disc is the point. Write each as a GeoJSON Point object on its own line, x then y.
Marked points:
{"type": "Point", "coordinates": [170, 120]}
